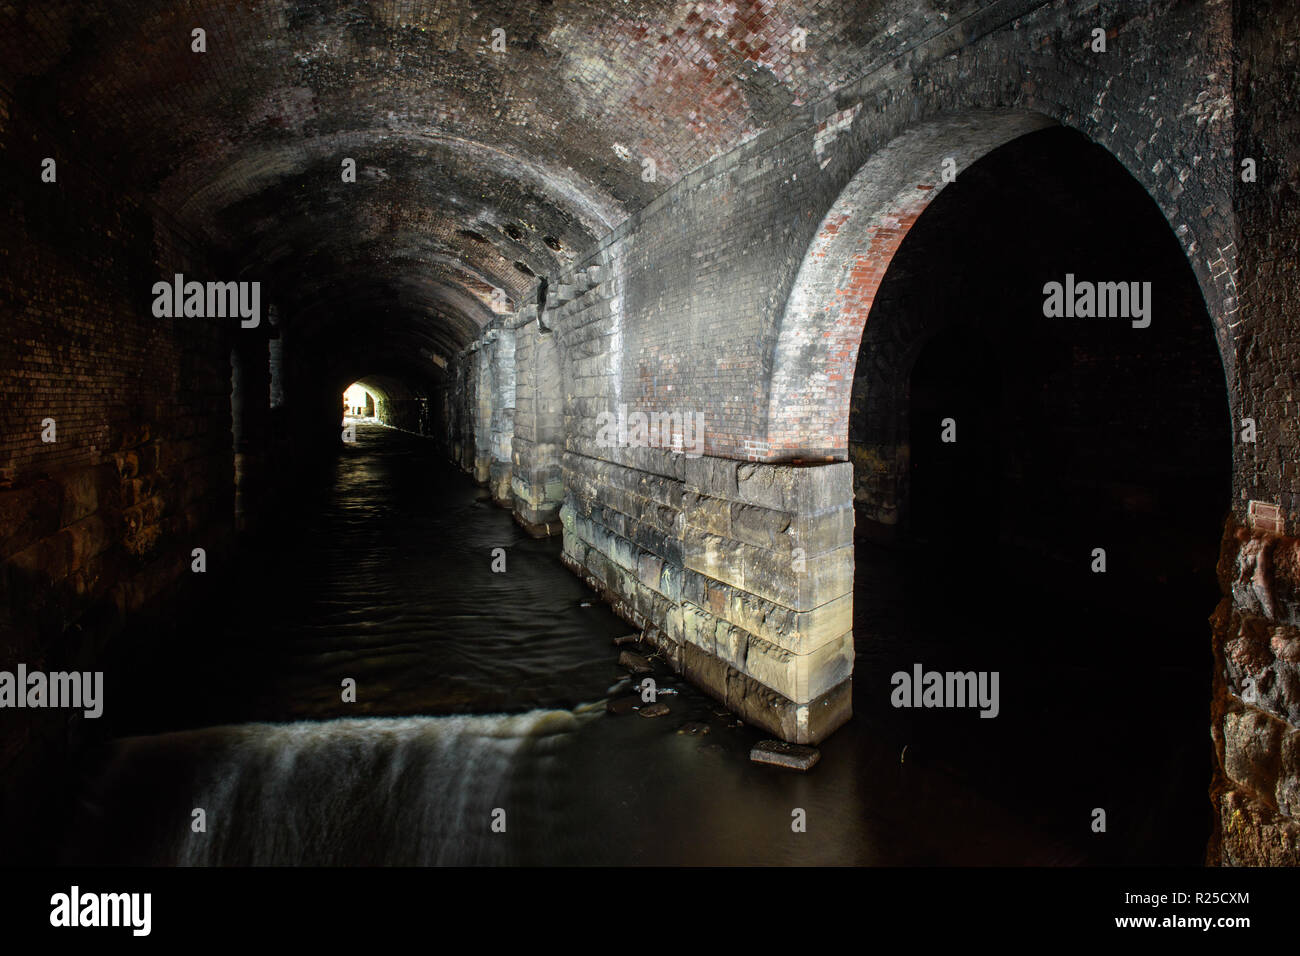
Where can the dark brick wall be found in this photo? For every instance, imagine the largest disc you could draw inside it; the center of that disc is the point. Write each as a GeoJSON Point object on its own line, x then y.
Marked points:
{"type": "Point", "coordinates": [1267, 129]}
{"type": "Point", "coordinates": [142, 405]}
{"type": "Point", "coordinates": [98, 526]}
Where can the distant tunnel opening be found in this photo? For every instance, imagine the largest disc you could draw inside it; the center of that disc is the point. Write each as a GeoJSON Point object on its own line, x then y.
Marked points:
{"type": "Point", "coordinates": [358, 402]}
{"type": "Point", "coordinates": [391, 401]}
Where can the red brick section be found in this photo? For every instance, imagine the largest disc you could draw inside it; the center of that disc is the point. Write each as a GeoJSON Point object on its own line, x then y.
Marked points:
{"type": "Point", "coordinates": [826, 429]}
{"type": "Point", "coordinates": [813, 421]}
{"type": "Point", "coordinates": [820, 332]}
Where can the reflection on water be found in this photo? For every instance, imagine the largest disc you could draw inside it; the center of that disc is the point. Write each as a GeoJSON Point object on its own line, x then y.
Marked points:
{"type": "Point", "coordinates": [479, 691]}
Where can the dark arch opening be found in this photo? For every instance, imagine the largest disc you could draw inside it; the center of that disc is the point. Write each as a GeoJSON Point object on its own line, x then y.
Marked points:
{"type": "Point", "coordinates": [1073, 434]}
{"type": "Point", "coordinates": [955, 494]}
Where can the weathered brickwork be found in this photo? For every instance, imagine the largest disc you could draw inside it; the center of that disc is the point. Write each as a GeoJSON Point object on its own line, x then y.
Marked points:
{"type": "Point", "coordinates": [660, 210]}
{"type": "Point", "coordinates": [702, 278]}
{"type": "Point", "coordinates": [1256, 717]}
{"type": "Point", "coordinates": [141, 406]}
{"type": "Point", "coordinates": [97, 524]}
{"type": "Point", "coordinates": [812, 374]}
{"type": "Point", "coordinates": [742, 292]}
{"type": "Point", "coordinates": [1071, 415]}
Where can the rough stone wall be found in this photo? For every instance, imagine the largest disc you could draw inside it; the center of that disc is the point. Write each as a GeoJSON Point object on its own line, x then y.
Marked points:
{"type": "Point", "coordinates": [98, 524]}
{"type": "Point", "coordinates": [500, 358]}
{"type": "Point", "coordinates": [460, 412]}
{"type": "Point", "coordinates": [408, 414]}
{"type": "Point", "coordinates": [1257, 700]}
{"type": "Point", "coordinates": [537, 484]}
{"type": "Point", "coordinates": [1257, 625]}
{"type": "Point", "coordinates": [479, 409]}
{"type": "Point", "coordinates": [483, 398]}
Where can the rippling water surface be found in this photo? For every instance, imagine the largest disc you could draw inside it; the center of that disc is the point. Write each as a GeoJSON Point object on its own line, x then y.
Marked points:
{"type": "Point", "coordinates": [480, 692]}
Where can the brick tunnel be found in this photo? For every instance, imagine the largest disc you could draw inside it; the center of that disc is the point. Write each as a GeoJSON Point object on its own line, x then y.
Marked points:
{"type": "Point", "coordinates": [820, 345]}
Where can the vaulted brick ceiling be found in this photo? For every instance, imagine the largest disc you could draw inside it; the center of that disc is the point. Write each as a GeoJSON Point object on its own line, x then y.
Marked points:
{"type": "Point", "coordinates": [470, 162]}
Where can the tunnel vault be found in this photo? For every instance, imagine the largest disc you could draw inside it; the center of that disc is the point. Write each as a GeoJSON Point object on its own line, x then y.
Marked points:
{"type": "Point", "coordinates": [680, 210]}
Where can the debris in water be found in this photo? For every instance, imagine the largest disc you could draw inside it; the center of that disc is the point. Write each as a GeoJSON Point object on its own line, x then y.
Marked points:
{"type": "Point", "coordinates": [634, 662]}
{"type": "Point", "coordinates": [778, 753]}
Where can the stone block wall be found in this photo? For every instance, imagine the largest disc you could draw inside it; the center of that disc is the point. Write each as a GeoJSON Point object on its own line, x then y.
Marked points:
{"type": "Point", "coordinates": [480, 409]}
{"type": "Point", "coordinates": [459, 423]}
{"type": "Point", "coordinates": [537, 481]}
{"type": "Point", "coordinates": [408, 414]}
{"type": "Point", "coordinates": [740, 573]}
{"type": "Point", "coordinates": [501, 384]}
{"type": "Point", "coordinates": [691, 306]}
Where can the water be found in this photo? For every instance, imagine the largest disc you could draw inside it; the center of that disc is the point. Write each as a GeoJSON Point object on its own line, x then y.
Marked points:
{"type": "Point", "coordinates": [480, 692]}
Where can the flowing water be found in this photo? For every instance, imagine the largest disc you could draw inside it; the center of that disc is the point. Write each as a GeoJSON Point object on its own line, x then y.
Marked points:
{"type": "Point", "coordinates": [478, 734]}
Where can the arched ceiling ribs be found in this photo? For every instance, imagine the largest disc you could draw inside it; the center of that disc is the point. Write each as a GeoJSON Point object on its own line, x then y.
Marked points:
{"type": "Point", "coordinates": [265, 168]}
{"type": "Point", "coordinates": [476, 168]}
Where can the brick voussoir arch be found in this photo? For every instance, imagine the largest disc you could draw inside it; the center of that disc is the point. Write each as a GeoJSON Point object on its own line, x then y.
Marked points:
{"type": "Point", "coordinates": [821, 328]}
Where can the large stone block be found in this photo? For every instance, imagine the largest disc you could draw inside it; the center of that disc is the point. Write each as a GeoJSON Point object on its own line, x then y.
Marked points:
{"type": "Point", "coordinates": [1287, 792]}
{"type": "Point", "coordinates": [795, 489]}
{"type": "Point", "coordinates": [708, 514]}
{"type": "Point", "coordinates": [797, 631]}
{"type": "Point", "coordinates": [784, 532]}
{"type": "Point", "coordinates": [800, 582]}
{"type": "Point", "coordinates": [800, 677]}
{"type": "Point", "coordinates": [1251, 833]}
{"type": "Point", "coordinates": [1252, 750]}
{"type": "Point", "coordinates": [1262, 663]}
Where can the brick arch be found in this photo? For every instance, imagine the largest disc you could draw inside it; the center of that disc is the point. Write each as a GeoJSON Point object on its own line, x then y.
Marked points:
{"type": "Point", "coordinates": [821, 328]}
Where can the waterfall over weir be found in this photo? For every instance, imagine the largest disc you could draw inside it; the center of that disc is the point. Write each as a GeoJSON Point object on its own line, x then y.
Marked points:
{"type": "Point", "coordinates": [374, 791]}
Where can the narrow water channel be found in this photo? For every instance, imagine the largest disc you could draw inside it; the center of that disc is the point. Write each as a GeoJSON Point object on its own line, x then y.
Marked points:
{"type": "Point", "coordinates": [480, 698]}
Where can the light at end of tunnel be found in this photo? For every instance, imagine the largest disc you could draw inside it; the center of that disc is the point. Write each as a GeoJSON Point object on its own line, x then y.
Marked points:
{"type": "Point", "coordinates": [355, 398]}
